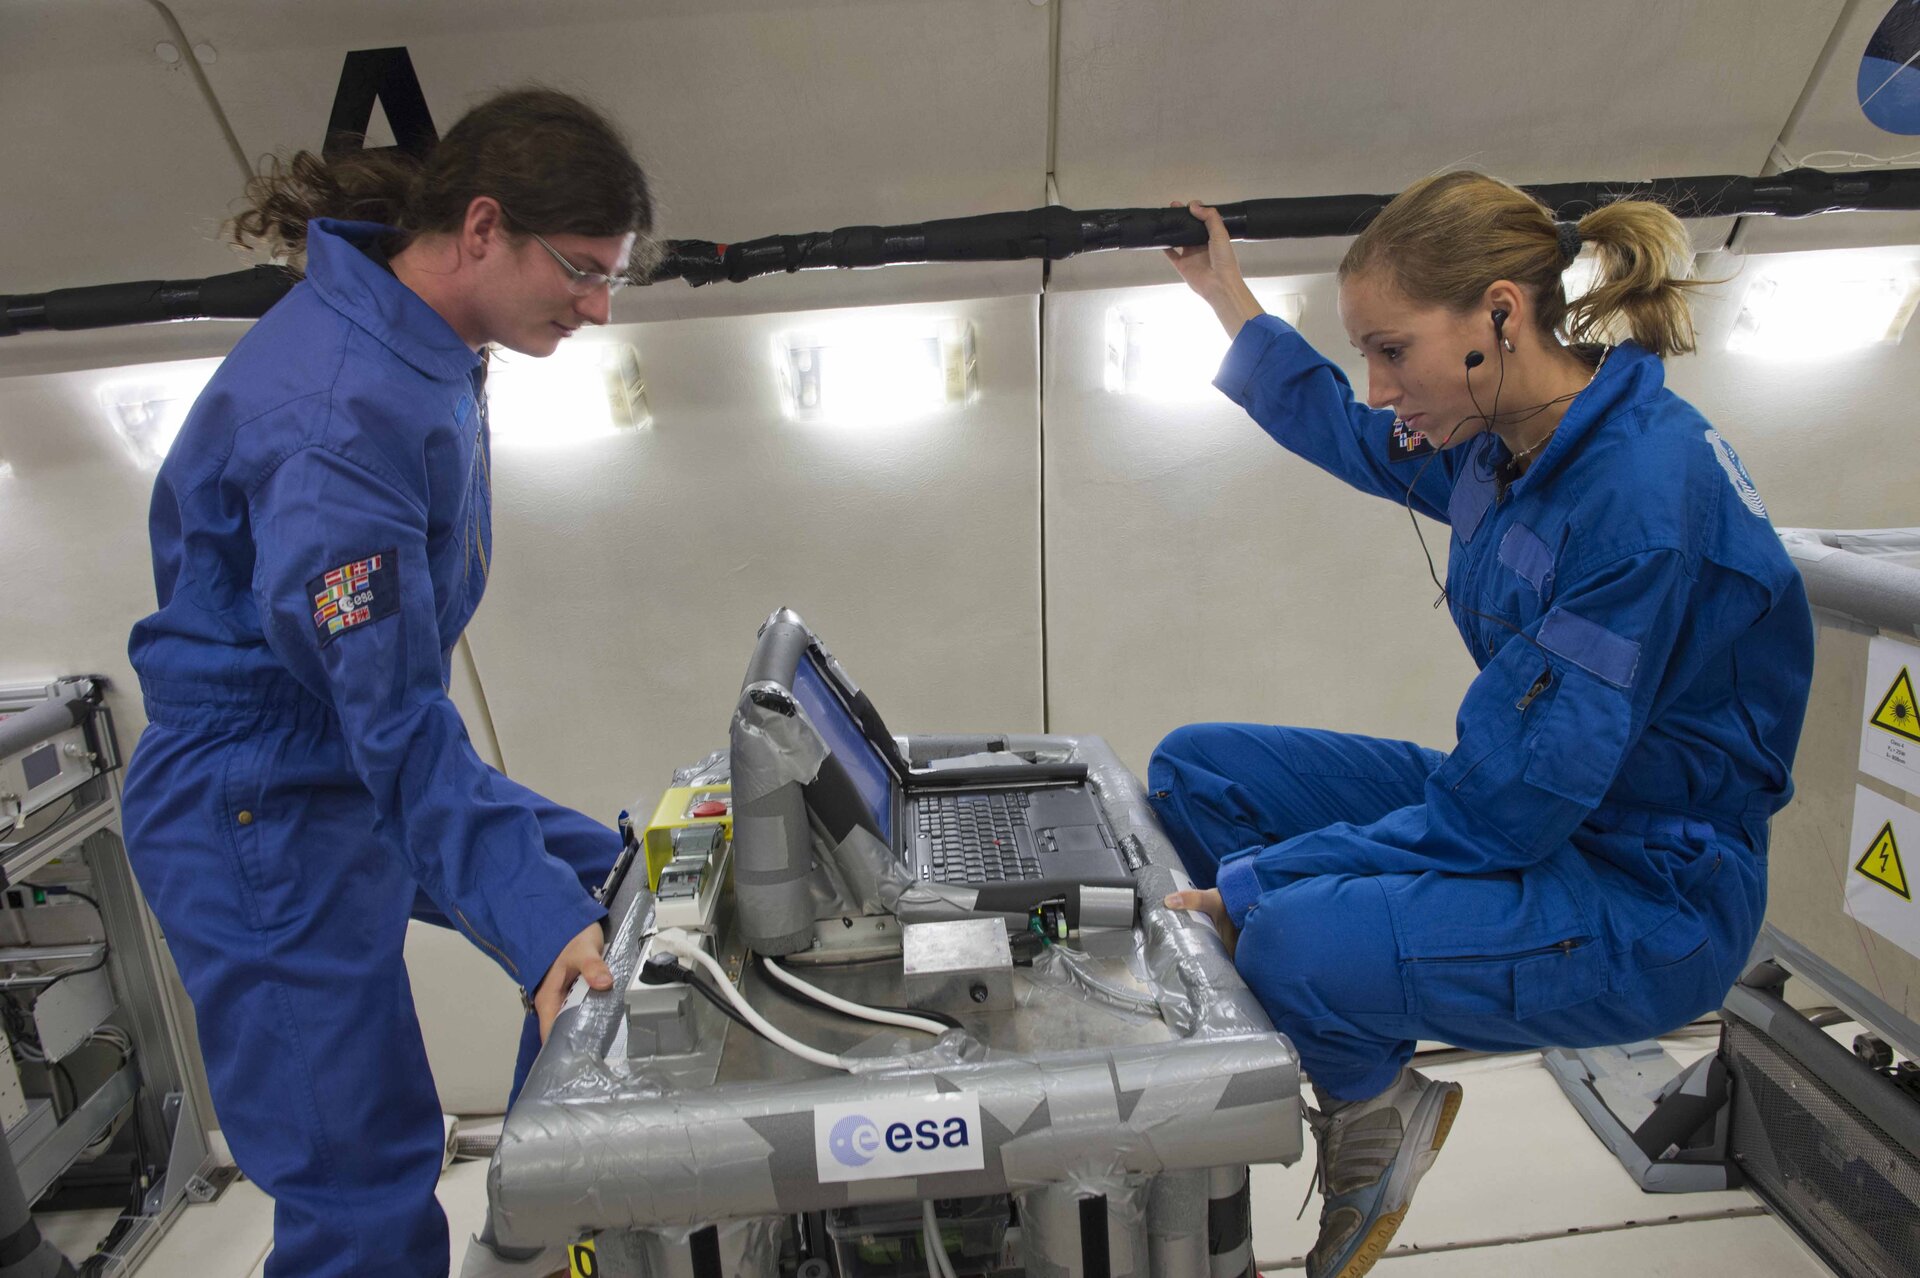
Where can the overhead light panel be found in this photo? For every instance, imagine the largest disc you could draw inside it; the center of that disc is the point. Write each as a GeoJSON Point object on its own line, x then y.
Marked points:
{"type": "Point", "coordinates": [1818, 308]}
{"type": "Point", "coordinates": [584, 390]}
{"type": "Point", "coordinates": [872, 372]}
{"type": "Point", "coordinates": [1168, 345]}
{"type": "Point", "coordinates": [147, 410]}
{"type": "Point", "coordinates": [1577, 280]}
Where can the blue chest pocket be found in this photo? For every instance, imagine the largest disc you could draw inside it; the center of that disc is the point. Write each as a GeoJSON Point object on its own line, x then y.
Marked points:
{"type": "Point", "coordinates": [1580, 738]}
{"type": "Point", "coordinates": [1541, 739]}
{"type": "Point", "coordinates": [1583, 734]}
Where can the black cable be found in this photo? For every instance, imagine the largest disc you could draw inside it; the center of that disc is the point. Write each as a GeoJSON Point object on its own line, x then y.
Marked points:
{"type": "Point", "coordinates": [1477, 415]}
{"type": "Point", "coordinates": [67, 891]}
{"type": "Point", "coordinates": [700, 986]}
{"type": "Point", "coordinates": [65, 812]}
{"type": "Point", "coordinates": [94, 966]}
{"type": "Point", "coordinates": [20, 1027]}
{"type": "Point", "coordinates": [796, 995]}
{"type": "Point", "coordinates": [58, 1069]}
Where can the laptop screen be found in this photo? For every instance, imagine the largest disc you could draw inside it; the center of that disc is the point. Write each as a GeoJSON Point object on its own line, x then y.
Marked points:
{"type": "Point", "coordinates": [871, 776]}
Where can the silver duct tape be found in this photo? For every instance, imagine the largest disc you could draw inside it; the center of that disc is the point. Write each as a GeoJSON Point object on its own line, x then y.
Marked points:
{"type": "Point", "coordinates": [773, 755]}
{"type": "Point", "coordinates": [785, 859]}
{"type": "Point", "coordinates": [595, 1144]}
{"type": "Point", "coordinates": [1060, 968]}
{"type": "Point", "coordinates": [770, 748]}
{"type": "Point", "coordinates": [1200, 992]}
{"type": "Point", "coordinates": [1177, 1225]}
{"type": "Point", "coordinates": [1106, 907]}
{"type": "Point", "coordinates": [872, 875]}
{"type": "Point", "coordinates": [746, 1249]}
{"type": "Point", "coordinates": [1129, 1253]}
{"type": "Point", "coordinates": [772, 870]}
{"type": "Point", "coordinates": [1229, 1218]}
{"type": "Point", "coordinates": [876, 883]}
{"type": "Point", "coordinates": [715, 769]}
{"type": "Point", "coordinates": [828, 886]}
{"type": "Point", "coordinates": [741, 1150]}
{"type": "Point", "coordinates": [1051, 1229]}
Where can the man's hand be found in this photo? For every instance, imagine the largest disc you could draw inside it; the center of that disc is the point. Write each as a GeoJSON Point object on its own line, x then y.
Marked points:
{"type": "Point", "coordinates": [582, 957]}
{"type": "Point", "coordinates": [1209, 903]}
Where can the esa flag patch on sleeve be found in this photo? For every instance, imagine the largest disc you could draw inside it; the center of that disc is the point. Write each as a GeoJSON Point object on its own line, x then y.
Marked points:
{"type": "Point", "coordinates": [353, 595]}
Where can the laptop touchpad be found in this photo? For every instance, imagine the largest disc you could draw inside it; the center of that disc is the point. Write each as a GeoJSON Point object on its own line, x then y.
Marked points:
{"type": "Point", "coordinates": [1077, 838]}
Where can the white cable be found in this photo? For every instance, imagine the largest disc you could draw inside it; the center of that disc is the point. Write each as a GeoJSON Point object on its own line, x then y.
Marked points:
{"type": "Point", "coordinates": [938, 1266]}
{"type": "Point", "coordinates": [902, 1019]}
{"type": "Point", "coordinates": [683, 946]}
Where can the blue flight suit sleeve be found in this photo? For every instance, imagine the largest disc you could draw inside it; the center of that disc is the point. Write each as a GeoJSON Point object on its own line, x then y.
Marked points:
{"type": "Point", "coordinates": [589, 846]}
{"type": "Point", "coordinates": [1543, 731]}
{"type": "Point", "coordinates": [1305, 402]}
{"type": "Point", "coordinates": [470, 838]}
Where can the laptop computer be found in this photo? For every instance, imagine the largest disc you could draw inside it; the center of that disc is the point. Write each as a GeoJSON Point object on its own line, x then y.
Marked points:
{"type": "Point", "coordinates": [1037, 824]}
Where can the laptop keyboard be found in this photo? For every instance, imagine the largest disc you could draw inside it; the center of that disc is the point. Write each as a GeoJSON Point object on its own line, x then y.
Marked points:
{"type": "Point", "coordinates": [973, 836]}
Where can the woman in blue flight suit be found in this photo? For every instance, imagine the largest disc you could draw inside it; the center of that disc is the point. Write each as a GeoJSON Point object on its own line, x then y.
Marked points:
{"type": "Point", "coordinates": [321, 534]}
{"type": "Point", "coordinates": [1588, 865]}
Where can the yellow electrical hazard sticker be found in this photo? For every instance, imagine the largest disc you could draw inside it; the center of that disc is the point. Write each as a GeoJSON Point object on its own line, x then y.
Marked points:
{"type": "Point", "coordinates": [1897, 713]}
{"type": "Point", "coordinates": [1878, 892]}
{"type": "Point", "coordinates": [581, 1260]}
{"type": "Point", "coordinates": [1882, 863]}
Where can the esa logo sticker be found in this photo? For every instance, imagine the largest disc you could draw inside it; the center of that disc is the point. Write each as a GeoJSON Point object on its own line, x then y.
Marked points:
{"type": "Point", "coordinates": [882, 1139]}
{"type": "Point", "coordinates": [1736, 473]}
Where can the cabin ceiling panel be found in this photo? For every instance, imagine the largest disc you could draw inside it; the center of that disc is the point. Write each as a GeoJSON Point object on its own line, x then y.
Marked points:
{"type": "Point", "coordinates": [1241, 99]}
{"type": "Point", "coordinates": [1833, 131]}
{"type": "Point", "coordinates": [114, 167]}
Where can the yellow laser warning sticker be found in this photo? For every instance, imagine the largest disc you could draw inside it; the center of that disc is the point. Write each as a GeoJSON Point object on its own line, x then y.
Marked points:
{"type": "Point", "coordinates": [582, 1262]}
{"type": "Point", "coordinates": [1889, 717]}
{"type": "Point", "coordinates": [1897, 712]}
{"type": "Point", "coordinates": [1882, 863]}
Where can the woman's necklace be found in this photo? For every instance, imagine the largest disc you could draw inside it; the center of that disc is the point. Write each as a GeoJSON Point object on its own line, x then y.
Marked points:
{"type": "Point", "coordinates": [1537, 444]}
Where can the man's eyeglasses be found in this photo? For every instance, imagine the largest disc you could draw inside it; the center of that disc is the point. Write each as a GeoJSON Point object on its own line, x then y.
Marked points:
{"type": "Point", "coordinates": [580, 283]}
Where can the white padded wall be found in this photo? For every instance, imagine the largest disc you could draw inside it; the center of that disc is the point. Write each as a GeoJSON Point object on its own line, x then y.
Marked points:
{"type": "Point", "coordinates": [1196, 570]}
{"type": "Point", "coordinates": [631, 573]}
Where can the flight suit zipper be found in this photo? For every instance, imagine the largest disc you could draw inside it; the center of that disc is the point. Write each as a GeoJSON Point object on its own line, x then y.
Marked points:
{"type": "Point", "coordinates": [1566, 947]}
{"type": "Point", "coordinates": [483, 942]}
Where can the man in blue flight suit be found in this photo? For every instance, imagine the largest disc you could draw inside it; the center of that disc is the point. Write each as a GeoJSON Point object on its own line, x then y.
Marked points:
{"type": "Point", "coordinates": [1588, 864]}
{"type": "Point", "coordinates": [321, 536]}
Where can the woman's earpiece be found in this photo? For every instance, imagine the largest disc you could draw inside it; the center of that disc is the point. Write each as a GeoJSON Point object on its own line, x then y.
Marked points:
{"type": "Point", "coordinates": [1499, 322]}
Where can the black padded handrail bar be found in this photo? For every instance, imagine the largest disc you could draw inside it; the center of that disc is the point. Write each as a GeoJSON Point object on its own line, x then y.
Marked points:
{"type": "Point", "coordinates": [1050, 233]}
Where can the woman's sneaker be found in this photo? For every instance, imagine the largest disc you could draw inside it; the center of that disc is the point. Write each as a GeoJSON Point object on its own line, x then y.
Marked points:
{"type": "Point", "coordinates": [1372, 1154]}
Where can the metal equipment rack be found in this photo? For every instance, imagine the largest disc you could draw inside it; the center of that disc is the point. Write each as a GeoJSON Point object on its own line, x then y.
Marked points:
{"type": "Point", "coordinates": [153, 1087]}
{"type": "Point", "coordinates": [1121, 1100]}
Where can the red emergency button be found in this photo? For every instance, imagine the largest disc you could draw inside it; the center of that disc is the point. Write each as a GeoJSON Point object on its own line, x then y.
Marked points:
{"type": "Point", "coordinates": [710, 808]}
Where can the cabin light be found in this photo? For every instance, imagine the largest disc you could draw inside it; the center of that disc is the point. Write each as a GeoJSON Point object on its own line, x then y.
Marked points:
{"type": "Point", "coordinates": [6, 470]}
{"type": "Point", "coordinates": [584, 390]}
{"type": "Point", "coordinates": [148, 410]}
{"type": "Point", "coordinates": [1810, 310]}
{"type": "Point", "coordinates": [1168, 346]}
{"type": "Point", "coordinates": [872, 372]}
{"type": "Point", "coordinates": [1577, 280]}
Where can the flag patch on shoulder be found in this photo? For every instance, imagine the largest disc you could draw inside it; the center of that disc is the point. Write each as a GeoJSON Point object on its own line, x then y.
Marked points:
{"type": "Point", "coordinates": [353, 595]}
